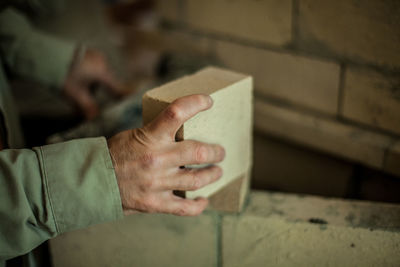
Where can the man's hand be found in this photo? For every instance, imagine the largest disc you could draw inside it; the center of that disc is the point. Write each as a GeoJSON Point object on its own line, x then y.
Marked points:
{"type": "Point", "coordinates": [91, 68]}
{"type": "Point", "coordinates": [147, 162]}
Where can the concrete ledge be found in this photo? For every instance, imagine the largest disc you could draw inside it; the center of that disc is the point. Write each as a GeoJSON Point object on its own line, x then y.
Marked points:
{"type": "Point", "coordinates": [254, 241]}
{"type": "Point", "coordinates": [140, 240]}
{"type": "Point", "coordinates": [289, 230]}
{"type": "Point", "coordinates": [274, 230]}
{"type": "Point", "coordinates": [324, 211]}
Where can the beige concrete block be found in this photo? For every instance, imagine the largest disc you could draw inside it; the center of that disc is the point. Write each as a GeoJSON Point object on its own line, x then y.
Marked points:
{"type": "Point", "coordinates": [373, 99]}
{"type": "Point", "coordinates": [310, 172]}
{"type": "Point", "coordinates": [321, 133]}
{"type": "Point", "coordinates": [168, 9]}
{"type": "Point", "coordinates": [228, 122]}
{"type": "Point", "coordinates": [231, 198]}
{"type": "Point", "coordinates": [289, 230]}
{"type": "Point", "coordinates": [140, 240]}
{"type": "Point", "coordinates": [369, 31]}
{"type": "Point", "coordinates": [392, 163]}
{"type": "Point", "coordinates": [267, 21]}
{"type": "Point", "coordinates": [295, 79]}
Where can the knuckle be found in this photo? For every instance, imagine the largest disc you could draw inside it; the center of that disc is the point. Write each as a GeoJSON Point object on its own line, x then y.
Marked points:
{"type": "Point", "coordinates": [149, 203]}
{"type": "Point", "coordinates": [181, 211]}
{"type": "Point", "coordinates": [188, 209]}
{"type": "Point", "coordinates": [150, 161]}
{"type": "Point", "coordinates": [149, 184]}
{"type": "Point", "coordinates": [173, 112]}
{"type": "Point", "coordinates": [147, 160]}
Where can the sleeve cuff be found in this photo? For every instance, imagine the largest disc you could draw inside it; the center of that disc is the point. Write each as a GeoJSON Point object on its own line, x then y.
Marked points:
{"type": "Point", "coordinates": [80, 183]}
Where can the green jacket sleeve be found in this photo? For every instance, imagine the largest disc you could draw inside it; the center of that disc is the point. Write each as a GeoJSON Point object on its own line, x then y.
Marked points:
{"type": "Point", "coordinates": [53, 189]}
{"type": "Point", "coordinates": [30, 53]}
{"type": "Point", "coordinates": [38, 7]}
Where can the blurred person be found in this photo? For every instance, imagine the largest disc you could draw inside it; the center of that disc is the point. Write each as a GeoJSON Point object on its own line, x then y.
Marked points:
{"type": "Point", "coordinates": [49, 190]}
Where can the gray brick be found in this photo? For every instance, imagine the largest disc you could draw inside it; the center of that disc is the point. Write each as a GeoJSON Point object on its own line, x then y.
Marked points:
{"type": "Point", "coordinates": [372, 99]}
{"type": "Point", "coordinates": [299, 80]}
{"type": "Point", "coordinates": [360, 30]}
{"type": "Point", "coordinates": [267, 21]}
{"type": "Point", "coordinates": [140, 240]}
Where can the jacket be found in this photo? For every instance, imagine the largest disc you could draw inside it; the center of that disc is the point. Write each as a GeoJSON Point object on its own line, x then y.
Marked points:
{"type": "Point", "coordinates": [52, 189]}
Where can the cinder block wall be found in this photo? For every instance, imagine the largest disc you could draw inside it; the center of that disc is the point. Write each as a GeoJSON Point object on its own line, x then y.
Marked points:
{"type": "Point", "coordinates": [274, 230]}
{"type": "Point", "coordinates": [327, 122]}
{"type": "Point", "coordinates": [327, 78]}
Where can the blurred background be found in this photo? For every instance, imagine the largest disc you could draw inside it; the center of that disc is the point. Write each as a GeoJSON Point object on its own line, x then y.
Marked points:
{"type": "Point", "coordinates": [326, 73]}
{"type": "Point", "coordinates": [326, 120]}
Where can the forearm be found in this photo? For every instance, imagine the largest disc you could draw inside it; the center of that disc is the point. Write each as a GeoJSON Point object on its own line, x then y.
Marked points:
{"type": "Point", "coordinates": [36, 6]}
{"type": "Point", "coordinates": [33, 54]}
{"type": "Point", "coordinates": [54, 189]}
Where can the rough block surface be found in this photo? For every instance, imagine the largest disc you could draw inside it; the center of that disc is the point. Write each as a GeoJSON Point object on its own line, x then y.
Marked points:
{"type": "Point", "coordinates": [289, 230]}
{"type": "Point", "coordinates": [274, 230]}
{"type": "Point", "coordinates": [232, 197]}
{"type": "Point", "coordinates": [140, 240]}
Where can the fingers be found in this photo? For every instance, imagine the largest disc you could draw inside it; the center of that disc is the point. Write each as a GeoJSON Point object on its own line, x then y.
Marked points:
{"type": "Point", "coordinates": [168, 122]}
{"type": "Point", "coordinates": [185, 207]}
{"type": "Point", "coordinates": [191, 152]}
{"type": "Point", "coordinates": [193, 179]}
